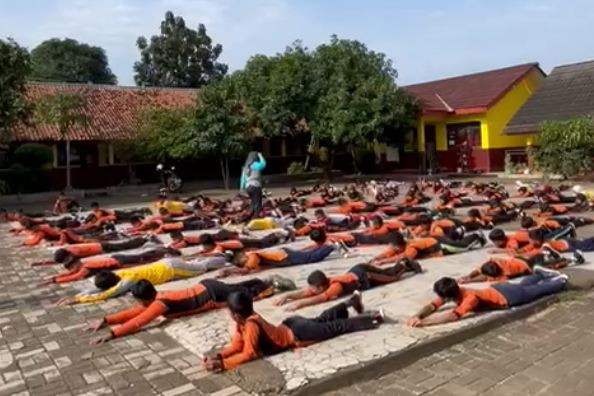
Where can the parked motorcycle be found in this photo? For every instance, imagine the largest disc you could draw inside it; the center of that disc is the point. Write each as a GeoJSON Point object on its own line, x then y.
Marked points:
{"type": "Point", "coordinates": [170, 181]}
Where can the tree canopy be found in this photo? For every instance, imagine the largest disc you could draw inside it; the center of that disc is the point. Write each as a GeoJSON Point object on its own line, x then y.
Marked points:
{"type": "Point", "coordinates": [566, 147]}
{"type": "Point", "coordinates": [70, 61]}
{"type": "Point", "coordinates": [14, 67]}
{"type": "Point", "coordinates": [178, 56]}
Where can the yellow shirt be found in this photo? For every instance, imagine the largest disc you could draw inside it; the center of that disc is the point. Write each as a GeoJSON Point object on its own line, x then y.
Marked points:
{"type": "Point", "coordinates": [173, 207]}
{"type": "Point", "coordinates": [157, 273]}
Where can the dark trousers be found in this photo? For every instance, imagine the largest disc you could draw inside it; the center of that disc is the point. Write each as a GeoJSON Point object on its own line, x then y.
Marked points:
{"type": "Point", "coordinates": [365, 239]}
{"type": "Point", "coordinates": [298, 257]}
{"type": "Point", "coordinates": [531, 288]}
{"type": "Point", "coordinates": [116, 246]}
{"type": "Point", "coordinates": [260, 243]}
{"type": "Point", "coordinates": [224, 235]}
{"type": "Point", "coordinates": [577, 221]}
{"type": "Point", "coordinates": [585, 245]}
{"type": "Point", "coordinates": [198, 224]}
{"type": "Point", "coordinates": [126, 215]}
{"type": "Point", "coordinates": [372, 276]}
{"type": "Point", "coordinates": [255, 194]}
{"type": "Point", "coordinates": [452, 246]}
{"type": "Point", "coordinates": [333, 322]}
{"type": "Point", "coordinates": [146, 256]}
{"type": "Point", "coordinates": [219, 291]}
{"type": "Point", "coordinates": [503, 218]}
{"type": "Point", "coordinates": [562, 233]}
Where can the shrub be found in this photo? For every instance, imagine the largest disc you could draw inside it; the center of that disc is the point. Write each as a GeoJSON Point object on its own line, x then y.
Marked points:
{"type": "Point", "coordinates": [296, 168]}
{"type": "Point", "coordinates": [566, 147]}
{"type": "Point", "coordinates": [33, 155]}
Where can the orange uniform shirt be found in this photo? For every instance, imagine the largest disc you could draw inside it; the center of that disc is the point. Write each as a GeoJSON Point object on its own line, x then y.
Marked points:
{"type": "Point", "coordinates": [245, 342]}
{"type": "Point", "coordinates": [264, 258]}
{"type": "Point", "coordinates": [470, 300]}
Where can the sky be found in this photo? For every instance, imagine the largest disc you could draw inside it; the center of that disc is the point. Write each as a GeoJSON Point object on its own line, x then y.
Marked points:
{"type": "Point", "coordinates": [426, 39]}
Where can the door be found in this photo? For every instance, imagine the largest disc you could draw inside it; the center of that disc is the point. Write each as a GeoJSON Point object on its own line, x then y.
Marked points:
{"type": "Point", "coordinates": [430, 149]}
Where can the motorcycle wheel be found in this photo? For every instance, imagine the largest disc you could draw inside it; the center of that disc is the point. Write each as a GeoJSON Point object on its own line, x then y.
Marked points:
{"type": "Point", "coordinates": [175, 184]}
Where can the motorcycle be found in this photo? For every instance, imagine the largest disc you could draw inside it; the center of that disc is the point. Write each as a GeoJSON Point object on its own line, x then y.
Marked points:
{"type": "Point", "coordinates": [170, 181]}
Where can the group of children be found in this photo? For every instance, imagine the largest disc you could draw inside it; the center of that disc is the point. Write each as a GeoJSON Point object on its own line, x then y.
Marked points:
{"type": "Point", "coordinates": [122, 251]}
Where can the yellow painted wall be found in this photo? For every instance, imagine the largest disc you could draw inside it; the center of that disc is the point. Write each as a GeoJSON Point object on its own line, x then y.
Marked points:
{"type": "Point", "coordinates": [492, 123]}
{"type": "Point", "coordinates": [502, 112]}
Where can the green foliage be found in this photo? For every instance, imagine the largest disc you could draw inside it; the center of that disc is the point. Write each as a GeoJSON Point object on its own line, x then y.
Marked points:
{"type": "Point", "coordinates": [566, 147]}
{"type": "Point", "coordinates": [70, 61]}
{"type": "Point", "coordinates": [296, 168]}
{"type": "Point", "coordinates": [358, 101]}
{"type": "Point", "coordinates": [165, 134]}
{"type": "Point", "coordinates": [178, 57]}
{"type": "Point", "coordinates": [14, 68]}
{"type": "Point", "coordinates": [4, 187]}
{"type": "Point", "coordinates": [280, 90]}
{"type": "Point", "coordinates": [33, 155]}
{"type": "Point", "coordinates": [63, 110]}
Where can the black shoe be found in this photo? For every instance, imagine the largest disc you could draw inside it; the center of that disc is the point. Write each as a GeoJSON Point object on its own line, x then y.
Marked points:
{"type": "Point", "coordinates": [552, 252]}
{"type": "Point", "coordinates": [578, 257]}
{"type": "Point", "coordinates": [356, 301]}
{"type": "Point", "coordinates": [414, 266]}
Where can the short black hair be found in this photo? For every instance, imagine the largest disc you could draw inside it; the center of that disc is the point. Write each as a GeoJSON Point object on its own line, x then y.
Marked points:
{"type": "Point", "coordinates": [474, 213]}
{"type": "Point", "coordinates": [176, 235]}
{"type": "Point", "coordinates": [342, 201]}
{"type": "Point", "coordinates": [396, 238]}
{"type": "Point", "coordinates": [377, 220]}
{"type": "Point", "coordinates": [446, 288]}
{"type": "Point", "coordinates": [317, 235]}
{"type": "Point", "coordinates": [497, 234]}
{"type": "Point", "coordinates": [491, 269]}
{"type": "Point", "coordinates": [106, 279]}
{"type": "Point", "coordinates": [207, 239]}
{"type": "Point", "coordinates": [537, 234]}
{"type": "Point", "coordinates": [527, 222]}
{"type": "Point", "coordinates": [60, 255]}
{"type": "Point", "coordinates": [144, 290]}
{"type": "Point", "coordinates": [424, 219]}
{"type": "Point", "coordinates": [300, 222]}
{"type": "Point", "coordinates": [317, 279]}
{"type": "Point", "coordinates": [319, 212]}
{"type": "Point", "coordinates": [94, 204]}
{"type": "Point", "coordinates": [240, 304]}
{"type": "Point", "coordinates": [135, 219]}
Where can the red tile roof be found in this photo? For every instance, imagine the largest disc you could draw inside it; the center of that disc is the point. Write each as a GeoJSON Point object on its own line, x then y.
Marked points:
{"type": "Point", "coordinates": [112, 110]}
{"type": "Point", "coordinates": [469, 94]}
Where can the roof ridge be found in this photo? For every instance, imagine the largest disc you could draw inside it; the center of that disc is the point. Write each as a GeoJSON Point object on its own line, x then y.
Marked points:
{"type": "Point", "coordinates": [573, 64]}
{"type": "Point", "coordinates": [472, 74]}
{"type": "Point", "coordinates": [108, 86]}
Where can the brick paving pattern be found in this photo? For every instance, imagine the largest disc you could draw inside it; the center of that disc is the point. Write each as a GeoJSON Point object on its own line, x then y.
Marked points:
{"type": "Point", "coordinates": [551, 353]}
{"type": "Point", "coordinates": [43, 350]}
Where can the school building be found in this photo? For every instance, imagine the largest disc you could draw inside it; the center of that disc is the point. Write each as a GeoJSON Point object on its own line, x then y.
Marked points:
{"type": "Point", "coordinates": [463, 119]}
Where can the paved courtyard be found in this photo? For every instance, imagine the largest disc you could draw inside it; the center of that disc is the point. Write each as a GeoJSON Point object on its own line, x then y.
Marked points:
{"type": "Point", "coordinates": [43, 350]}
{"type": "Point", "coordinates": [551, 353]}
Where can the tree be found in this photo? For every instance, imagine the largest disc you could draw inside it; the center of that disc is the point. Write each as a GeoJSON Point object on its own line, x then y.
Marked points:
{"type": "Point", "coordinates": [165, 133]}
{"type": "Point", "coordinates": [565, 147]}
{"type": "Point", "coordinates": [358, 100]}
{"type": "Point", "coordinates": [14, 67]}
{"type": "Point", "coordinates": [222, 124]}
{"type": "Point", "coordinates": [178, 57]}
{"type": "Point", "coordinates": [66, 111]}
{"type": "Point", "coordinates": [280, 90]}
{"type": "Point", "coordinates": [70, 61]}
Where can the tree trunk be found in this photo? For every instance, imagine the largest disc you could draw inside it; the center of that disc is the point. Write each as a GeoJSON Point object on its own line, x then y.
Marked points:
{"type": "Point", "coordinates": [224, 171]}
{"type": "Point", "coordinates": [68, 183]}
{"type": "Point", "coordinates": [354, 155]}
{"type": "Point", "coordinates": [308, 158]}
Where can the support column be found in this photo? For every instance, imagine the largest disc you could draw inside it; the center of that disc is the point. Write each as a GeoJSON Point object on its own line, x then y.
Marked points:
{"type": "Point", "coordinates": [110, 154]}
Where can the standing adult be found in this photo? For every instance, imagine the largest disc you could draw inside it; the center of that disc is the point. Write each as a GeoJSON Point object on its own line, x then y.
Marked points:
{"type": "Point", "coordinates": [251, 180]}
